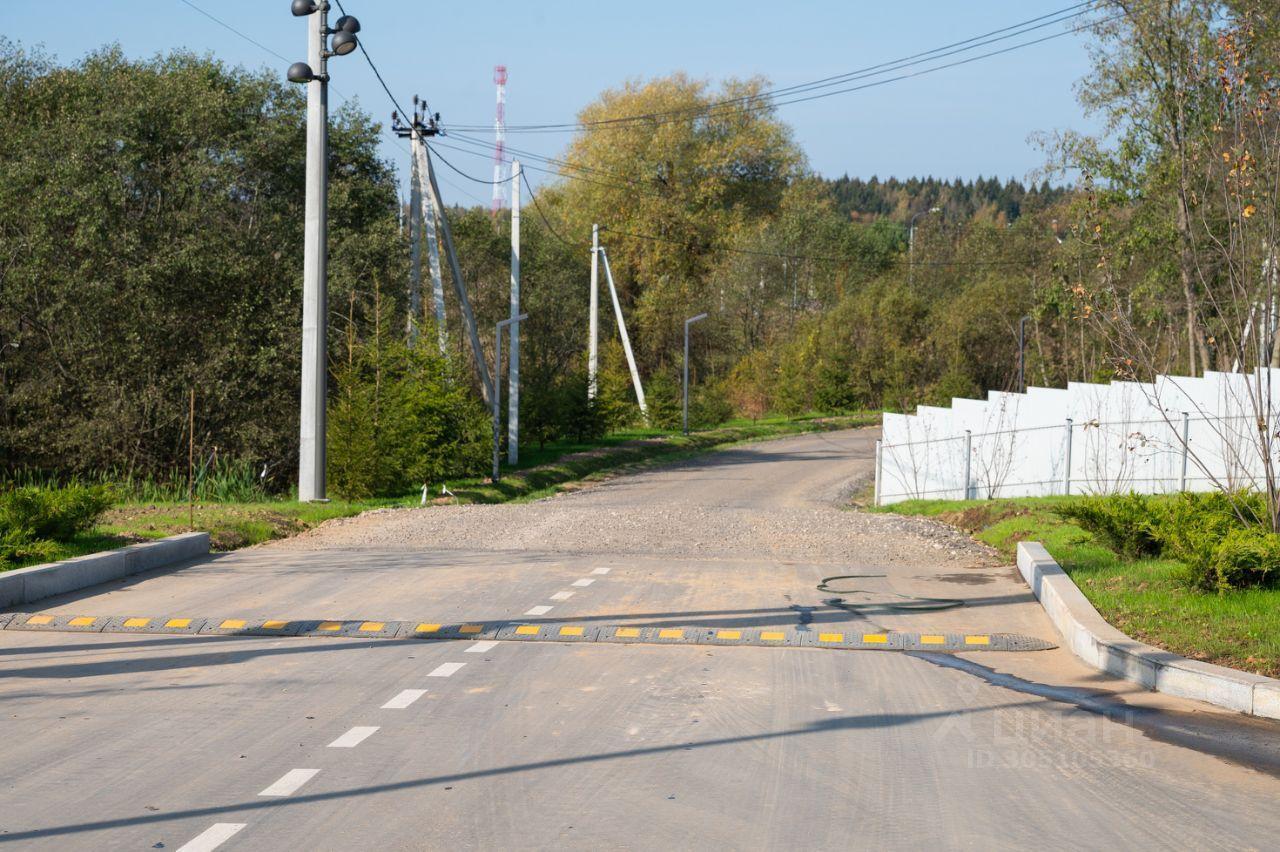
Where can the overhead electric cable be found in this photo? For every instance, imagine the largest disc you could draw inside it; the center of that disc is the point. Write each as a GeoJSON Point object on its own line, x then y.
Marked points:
{"type": "Point", "coordinates": [771, 96]}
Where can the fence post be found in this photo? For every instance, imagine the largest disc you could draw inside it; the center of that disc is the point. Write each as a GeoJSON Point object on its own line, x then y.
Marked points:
{"type": "Point", "coordinates": [879, 464]}
{"type": "Point", "coordinates": [1066, 472]}
{"type": "Point", "coordinates": [968, 457]}
{"type": "Point", "coordinates": [1186, 435]}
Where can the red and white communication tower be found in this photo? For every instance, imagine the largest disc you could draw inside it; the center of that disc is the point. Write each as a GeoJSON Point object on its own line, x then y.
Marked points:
{"type": "Point", "coordinates": [501, 172]}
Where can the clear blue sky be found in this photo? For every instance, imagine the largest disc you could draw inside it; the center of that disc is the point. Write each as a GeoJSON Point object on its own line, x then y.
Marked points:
{"type": "Point", "coordinates": [961, 122]}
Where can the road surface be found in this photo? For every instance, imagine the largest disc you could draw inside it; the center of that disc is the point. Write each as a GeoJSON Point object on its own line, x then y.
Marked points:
{"type": "Point", "coordinates": [150, 741]}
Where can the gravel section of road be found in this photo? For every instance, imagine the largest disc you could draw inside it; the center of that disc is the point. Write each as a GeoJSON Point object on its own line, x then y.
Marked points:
{"type": "Point", "coordinates": [681, 509]}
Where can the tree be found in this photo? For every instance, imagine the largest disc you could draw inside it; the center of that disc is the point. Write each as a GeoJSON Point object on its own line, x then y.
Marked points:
{"type": "Point", "coordinates": [150, 243]}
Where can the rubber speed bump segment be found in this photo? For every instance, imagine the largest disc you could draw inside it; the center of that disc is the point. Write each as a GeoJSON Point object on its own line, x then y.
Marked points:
{"type": "Point", "coordinates": [365, 629]}
{"type": "Point", "coordinates": [148, 624]}
{"type": "Point", "coordinates": [254, 627]}
{"type": "Point", "coordinates": [5, 618]}
{"type": "Point", "coordinates": [65, 623]}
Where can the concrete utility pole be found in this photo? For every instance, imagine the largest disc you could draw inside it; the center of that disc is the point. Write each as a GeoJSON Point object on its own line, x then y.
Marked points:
{"type": "Point", "coordinates": [513, 371]}
{"type": "Point", "coordinates": [626, 339]}
{"type": "Point", "coordinates": [593, 346]}
{"type": "Point", "coordinates": [684, 419]}
{"type": "Point", "coordinates": [514, 322]}
{"type": "Point", "coordinates": [415, 237]}
{"type": "Point", "coordinates": [311, 443]}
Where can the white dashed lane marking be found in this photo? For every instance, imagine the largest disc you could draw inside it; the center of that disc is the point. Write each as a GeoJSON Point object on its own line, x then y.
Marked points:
{"type": "Point", "coordinates": [600, 571]}
{"type": "Point", "coordinates": [539, 610]}
{"type": "Point", "coordinates": [445, 669]}
{"type": "Point", "coordinates": [290, 782]}
{"type": "Point", "coordinates": [212, 837]}
{"type": "Point", "coordinates": [354, 737]}
{"type": "Point", "coordinates": [482, 647]}
{"type": "Point", "coordinates": [404, 699]}
{"type": "Point", "coordinates": [561, 596]}
{"type": "Point", "coordinates": [583, 583]}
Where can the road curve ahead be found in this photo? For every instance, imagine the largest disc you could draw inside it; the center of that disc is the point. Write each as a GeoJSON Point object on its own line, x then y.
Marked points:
{"type": "Point", "coordinates": [116, 740]}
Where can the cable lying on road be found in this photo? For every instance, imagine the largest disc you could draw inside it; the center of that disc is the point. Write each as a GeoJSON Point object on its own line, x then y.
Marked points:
{"type": "Point", "coordinates": [910, 603]}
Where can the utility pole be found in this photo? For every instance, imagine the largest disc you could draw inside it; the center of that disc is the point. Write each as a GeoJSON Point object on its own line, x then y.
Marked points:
{"type": "Point", "coordinates": [513, 371]}
{"type": "Point", "coordinates": [593, 354]}
{"type": "Point", "coordinates": [684, 419]}
{"type": "Point", "coordinates": [415, 236]}
{"type": "Point", "coordinates": [423, 216]}
{"type": "Point", "coordinates": [496, 407]}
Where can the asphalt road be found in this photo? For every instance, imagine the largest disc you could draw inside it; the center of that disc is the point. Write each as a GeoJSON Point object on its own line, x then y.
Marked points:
{"type": "Point", "coordinates": [115, 741]}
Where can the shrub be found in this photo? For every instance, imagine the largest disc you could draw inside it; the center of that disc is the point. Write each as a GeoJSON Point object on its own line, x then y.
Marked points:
{"type": "Point", "coordinates": [1246, 558]}
{"type": "Point", "coordinates": [1125, 523]}
{"type": "Point", "coordinates": [34, 519]}
{"type": "Point", "coordinates": [57, 514]}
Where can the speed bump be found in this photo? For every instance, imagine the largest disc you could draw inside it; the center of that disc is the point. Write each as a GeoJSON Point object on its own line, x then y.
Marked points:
{"type": "Point", "coordinates": [811, 636]}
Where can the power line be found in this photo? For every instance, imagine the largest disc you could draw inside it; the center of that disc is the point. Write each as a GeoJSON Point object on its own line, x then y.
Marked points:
{"type": "Point", "coordinates": [227, 26]}
{"type": "Point", "coordinates": [543, 216]}
{"type": "Point", "coordinates": [373, 67]}
{"type": "Point", "coordinates": [770, 97]}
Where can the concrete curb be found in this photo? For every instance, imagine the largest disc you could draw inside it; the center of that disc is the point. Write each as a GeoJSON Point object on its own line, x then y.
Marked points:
{"type": "Point", "coordinates": [1100, 645]}
{"type": "Point", "coordinates": [26, 585]}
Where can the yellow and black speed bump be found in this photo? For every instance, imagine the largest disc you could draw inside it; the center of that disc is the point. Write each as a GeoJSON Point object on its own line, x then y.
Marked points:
{"type": "Point", "coordinates": [807, 636]}
{"type": "Point", "coordinates": [552, 632]}
{"type": "Point", "coordinates": [459, 630]}
{"type": "Point", "coordinates": [374, 629]}
{"type": "Point", "coordinates": [46, 621]}
{"type": "Point", "coordinates": [145, 624]}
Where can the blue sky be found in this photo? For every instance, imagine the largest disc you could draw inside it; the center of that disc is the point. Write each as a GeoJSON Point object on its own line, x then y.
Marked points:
{"type": "Point", "coordinates": [961, 122]}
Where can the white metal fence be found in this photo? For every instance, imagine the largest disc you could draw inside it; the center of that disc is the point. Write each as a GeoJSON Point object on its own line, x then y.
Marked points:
{"type": "Point", "coordinates": [1174, 434]}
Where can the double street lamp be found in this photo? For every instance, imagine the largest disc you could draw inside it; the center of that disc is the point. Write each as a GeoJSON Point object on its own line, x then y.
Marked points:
{"type": "Point", "coordinates": [315, 74]}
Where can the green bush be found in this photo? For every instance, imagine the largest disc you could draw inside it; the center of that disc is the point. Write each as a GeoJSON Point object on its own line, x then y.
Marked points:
{"type": "Point", "coordinates": [33, 519]}
{"type": "Point", "coordinates": [1125, 523]}
{"type": "Point", "coordinates": [57, 514]}
{"type": "Point", "coordinates": [1246, 558]}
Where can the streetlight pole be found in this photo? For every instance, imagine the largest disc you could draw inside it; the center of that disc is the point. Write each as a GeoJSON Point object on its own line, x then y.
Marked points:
{"type": "Point", "coordinates": [314, 73]}
{"type": "Point", "coordinates": [1022, 354]}
{"type": "Point", "coordinates": [497, 387]}
{"type": "Point", "coordinates": [685, 411]}
{"type": "Point", "coordinates": [911, 244]}
{"type": "Point", "coordinates": [311, 449]}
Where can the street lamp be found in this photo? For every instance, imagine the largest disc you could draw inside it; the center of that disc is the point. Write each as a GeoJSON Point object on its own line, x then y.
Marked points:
{"type": "Point", "coordinates": [497, 386]}
{"type": "Point", "coordinates": [1022, 354]}
{"type": "Point", "coordinates": [314, 73]}
{"type": "Point", "coordinates": [911, 243]}
{"type": "Point", "coordinates": [685, 413]}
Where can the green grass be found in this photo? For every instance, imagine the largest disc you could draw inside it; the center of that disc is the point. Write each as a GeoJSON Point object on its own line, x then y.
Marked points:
{"type": "Point", "coordinates": [541, 472]}
{"type": "Point", "coordinates": [1143, 597]}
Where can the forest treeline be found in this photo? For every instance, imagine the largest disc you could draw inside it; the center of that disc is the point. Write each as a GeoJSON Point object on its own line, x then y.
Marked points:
{"type": "Point", "coordinates": [987, 199]}
{"type": "Point", "coordinates": [151, 237]}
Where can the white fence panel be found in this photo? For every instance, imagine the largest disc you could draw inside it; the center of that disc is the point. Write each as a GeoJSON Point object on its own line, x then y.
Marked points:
{"type": "Point", "coordinates": [1177, 432]}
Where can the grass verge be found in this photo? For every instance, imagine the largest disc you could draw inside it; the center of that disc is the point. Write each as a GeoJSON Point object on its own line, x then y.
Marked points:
{"type": "Point", "coordinates": [1142, 597]}
{"type": "Point", "coordinates": [543, 471]}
